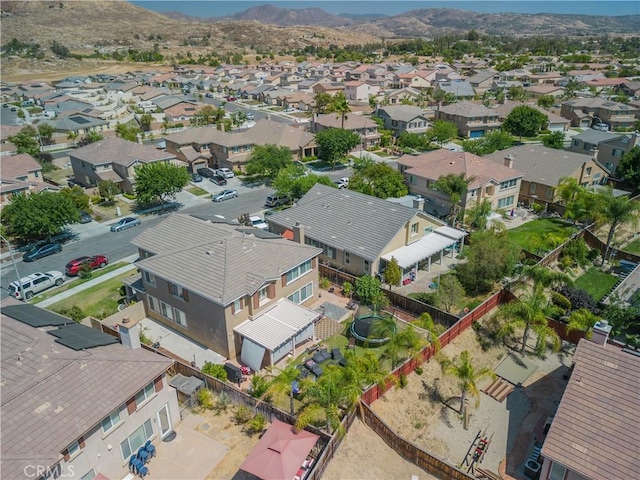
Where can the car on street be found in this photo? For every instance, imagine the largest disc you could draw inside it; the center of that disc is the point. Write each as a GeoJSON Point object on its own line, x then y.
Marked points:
{"type": "Point", "coordinates": [218, 180]}
{"type": "Point", "coordinates": [208, 95]}
{"type": "Point", "coordinates": [196, 177]}
{"type": "Point", "coordinates": [42, 251]}
{"type": "Point", "coordinates": [225, 172]}
{"type": "Point", "coordinates": [206, 172]}
{"type": "Point", "coordinates": [35, 283]}
{"type": "Point", "coordinates": [124, 223]}
{"type": "Point", "coordinates": [276, 200]}
{"type": "Point", "coordinates": [250, 116]}
{"type": "Point", "coordinates": [231, 98]}
{"type": "Point", "coordinates": [74, 266]}
{"type": "Point", "coordinates": [85, 217]}
{"type": "Point", "coordinates": [225, 195]}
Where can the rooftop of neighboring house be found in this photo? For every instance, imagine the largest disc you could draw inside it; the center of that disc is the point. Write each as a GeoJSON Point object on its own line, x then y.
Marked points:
{"type": "Point", "coordinates": [594, 137]}
{"type": "Point", "coordinates": [351, 121]}
{"type": "Point", "coordinates": [404, 113]}
{"type": "Point", "coordinates": [597, 102]}
{"type": "Point", "coordinates": [120, 151]}
{"type": "Point", "coordinates": [224, 263]}
{"type": "Point", "coordinates": [467, 110]}
{"type": "Point", "coordinates": [595, 428]}
{"type": "Point", "coordinates": [14, 166]}
{"type": "Point", "coordinates": [441, 162]}
{"type": "Point", "coordinates": [505, 109]}
{"type": "Point", "coordinates": [52, 394]}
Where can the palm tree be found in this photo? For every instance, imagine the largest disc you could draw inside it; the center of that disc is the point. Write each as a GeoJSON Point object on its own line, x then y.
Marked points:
{"type": "Point", "coordinates": [583, 320]}
{"type": "Point", "coordinates": [455, 186]}
{"type": "Point", "coordinates": [477, 215]}
{"type": "Point", "coordinates": [282, 382]}
{"type": "Point", "coordinates": [340, 105]}
{"type": "Point", "coordinates": [541, 277]}
{"type": "Point", "coordinates": [462, 368]}
{"type": "Point", "coordinates": [73, 136]}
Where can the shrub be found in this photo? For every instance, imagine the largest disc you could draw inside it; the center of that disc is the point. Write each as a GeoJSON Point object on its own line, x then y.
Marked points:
{"type": "Point", "coordinates": [242, 414]}
{"type": "Point", "coordinates": [257, 424]}
{"type": "Point", "coordinates": [222, 403]}
{"type": "Point", "coordinates": [537, 207]}
{"type": "Point", "coordinates": [424, 297]}
{"type": "Point", "coordinates": [310, 158]}
{"type": "Point", "coordinates": [554, 311]}
{"type": "Point", "coordinates": [259, 386]}
{"type": "Point", "coordinates": [215, 370]}
{"type": "Point", "coordinates": [403, 381]}
{"type": "Point", "coordinates": [85, 271]}
{"type": "Point", "coordinates": [580, 299]}
{"type": "Point", "coordinates": [75, 313]}
{"type": "Point", "coordinates": [129, 196]}
{"type": "Point", "coordinates": [477, 326]}
{"type": "Point", "coordinates": [419, 371]}
{"type": "Point", "coordinates": [205, 398]}
{"type": "Point", "coordinates": [324, 283]}
{"type": "Point", "coordinates": [96, 199]}
{"type": "Point", "coordinates": [560, 300]}
{"type": "Point", "coordinates": [473, 304]}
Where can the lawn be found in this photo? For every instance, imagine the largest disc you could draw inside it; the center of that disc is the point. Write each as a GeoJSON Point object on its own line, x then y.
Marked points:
{"type": "Point", "coordinates": [98, 301]}
{"type": "Point", "coordinates": [197, 191]}
{"type": "Point", "coordinates": [108, 212]}
{"type": "Point", "coordinates": [596, 283]}
{"type": "Point", "coordinates": [633, 247]}
{"type": "Point", "coordinates": [539, 236]}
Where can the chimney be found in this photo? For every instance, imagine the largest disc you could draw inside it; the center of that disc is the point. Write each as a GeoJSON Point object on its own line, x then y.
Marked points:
{"type": "Point", "coordinates": [139, 138]}
{"type": "Point", "coordinates": [594, 153]}
{"type": "Point", "coordinates": [298, 233]}
{"type": "Point", "coordinates": [221, 126]}
{"type": "Point", "coordinates": [635, 139]}
{"type": "Point", "coordinates": [129, 333]}
{"type": "Point", "coordinates": [418, 203]}
{"type": "Point", "coordinates": [508, 160]}
{"type": "Point", "coordinates": [601, 331]}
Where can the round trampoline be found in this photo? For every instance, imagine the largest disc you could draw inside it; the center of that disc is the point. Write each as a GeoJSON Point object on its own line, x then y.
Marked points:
{"type": "Point", "coordinates": [367, 330]}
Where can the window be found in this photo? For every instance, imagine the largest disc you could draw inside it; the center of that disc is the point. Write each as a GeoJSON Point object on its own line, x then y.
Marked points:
{"type": "Point", "coordinates": [298, 271]}
{"type": "Point", "coordinates": [111, 421]}
{"type": "Point", "coordinates": [428, 230]}
{"type": "Point", "coordinates": [73, 449]}
{"type": "Point", "coordinates": [414, 229]}
{"type": "Point", "coordinates": [301, 295]}
{"type": "Point", "coordinates": [508, 184]}
{"type": "Point", "coordinates": [149, 279]}
{"type": "Point", "coordinates": [532, 188]}
{"type": "Point", "coordinates": [237, 306]}
{"type": "Point", "coordinates": [347, 258]}
{"type": "Point", "coordinates": [144, 394]}
{"type": "Point", "coordinates": [587, 172]}
{"type": "Point", "coordinates": [180, 317]}
{"type": "Point", "coordinates": [177, 291]}
{"type": "Point", "coordinates": [263, 296]}
{"type": "Point", "coordinates": [473, 193]}
{"type": "Point", "coordinates": [617, 152]}
{"type": "Point", "coordinates": [137, 439]}
{"type": "Point", "coordinates": [153, 303]}
{"type": "Point", "coordinates": [165, 310]}
{"type": "Point", "coordinates": [505, 202]}
{"type": "Point", "coordinates": [90, 475]}
{"type": "Point", "coordinates": [412, 179]}
{"type": "Point", "coordinates": [557, 472]}
{"type": "Point", "coordinates": [367, 266]}
{"type": "Point", "coordinates": [549, 192]}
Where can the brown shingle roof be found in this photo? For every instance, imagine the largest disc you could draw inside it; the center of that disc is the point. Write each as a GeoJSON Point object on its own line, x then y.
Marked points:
{"type": "Point", "coordinates": [595, 430]}
{"type": "Point", "coordinates": [351, 121]}
{"type": "Point", "coordinates": [122, 152]}
{"type": "Point", "coordinates": [14, 166]}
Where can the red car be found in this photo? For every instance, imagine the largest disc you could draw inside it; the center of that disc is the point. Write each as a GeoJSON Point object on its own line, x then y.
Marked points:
{"type": "Point", "coordinates": [231, 98]}
{"type": "Point", "coordinates": [74, 266]}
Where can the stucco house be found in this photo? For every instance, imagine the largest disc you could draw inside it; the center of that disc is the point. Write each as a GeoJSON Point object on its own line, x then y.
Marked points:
{"type": "Point", "coordinates": [403, 118]}
{"type": "Point", "coordinates": [583, 112]}
{"type": "Point", "coordinates": [555, 123]}
{"type": "Point", "coordinates": [19, 174]}
{"type": "Point", "coordinates": [473, 120]}
{"type": "Point", "coordinates": [366, 128]}
{"type": "Point", "coordinates": [609, 146]}
{"type": "Point", "coordinates": [358, 91]}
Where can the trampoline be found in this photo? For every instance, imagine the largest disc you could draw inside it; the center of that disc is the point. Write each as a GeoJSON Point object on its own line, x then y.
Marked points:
{"type": "Point", "coordinates": [366, 330]}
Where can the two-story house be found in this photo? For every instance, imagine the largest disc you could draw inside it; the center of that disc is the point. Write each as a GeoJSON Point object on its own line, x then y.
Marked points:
{"type": "Point", "coordinates": [360, 234]}
{"type": "Point", "coordinates": [482, 80]}
{"type": "Point", "coordinates": [583, 112]}
{"type": "Point", "coordinates": [472, 120]}
{"type": "Point", "coordinates": [358, 91]}
{"type": "Point", "coordinates": [221, 286]}
{"type": "Point", "coordinates": [19, 174]}
{"type": "Point", "coordinates": [499, 184]}
{"type": "Point", "coordinates": [610, 146]}
{"type": "Point", "coordinates": [76, 403]}
{"type": "Point", "coordinates": [113, 159]}
{"type": "Point", "coordinates": [403, 118]}
{"type": "Point", "coordinates": [366, 128]}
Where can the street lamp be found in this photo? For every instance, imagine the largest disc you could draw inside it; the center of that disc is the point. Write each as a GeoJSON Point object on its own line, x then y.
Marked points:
{"type": "Point", "coordinates": [15, 267]}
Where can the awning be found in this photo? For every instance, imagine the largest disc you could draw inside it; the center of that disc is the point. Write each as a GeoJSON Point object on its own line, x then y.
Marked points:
{"type": "Point", "coordinates": [425, 247]}
{"type": "Point", "coordinates": [252, 354]}
{"type": "Point", "coordinates": [451, 232]}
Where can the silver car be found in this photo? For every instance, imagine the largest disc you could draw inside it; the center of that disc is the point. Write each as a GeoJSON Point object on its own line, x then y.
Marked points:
{"type": "Point", "coordinates": [225, 195]}
{"type": "Point", "coordinates": [124, 223]}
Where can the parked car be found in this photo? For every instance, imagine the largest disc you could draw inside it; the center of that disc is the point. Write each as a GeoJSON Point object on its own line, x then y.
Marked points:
{"type": "Point", "coordinates": [85, 217]}
{"type": "Point", "coordinates": [258, 222]}
{"type": "Point", "coordinates": [74, 266]}
{"type": "Point", "coordinates": [42, 251]}
{"type": "Point", "coordinates": [208, 95]}
{"type": "Point", "coordinates": [231, 98]}
{"type": "Point", "coordinates": [35, 283]}
{"type": "Point", "coordinates": [196, 177]}
{"type": "Point", "coordinates": [225, 172]}
{"type": "Point", "coordinates": [250, 116]}
{"type": "Point", "coordinates": [225, 195]}
{"type": "Point", "coordinates": [275, 200]}
{"type": "Point", "coordinates": [206, 172]}
{"type": "Point", "coordinates": [218, 180]}
{"type": "Point", "coordinates": [124, 223]}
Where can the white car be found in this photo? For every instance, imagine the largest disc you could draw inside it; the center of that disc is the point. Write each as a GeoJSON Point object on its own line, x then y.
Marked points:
{"type": "Point", "coordinates": [343, 183]}
{"type": "Point", "coordinates": [225, 173]}
{"type": "Point", "coordinates": [35, 283]}
{"type": "Point", "coordinates": [258, 222]}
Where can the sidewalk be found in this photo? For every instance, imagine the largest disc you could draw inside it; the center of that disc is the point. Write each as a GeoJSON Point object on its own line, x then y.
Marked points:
{"type": "Point", "coordinates": [90, 283]}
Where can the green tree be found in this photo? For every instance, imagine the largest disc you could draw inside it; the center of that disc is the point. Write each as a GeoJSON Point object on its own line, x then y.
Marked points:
{"type": "Point", "coordinates": [238, 118]}
{"type": "Point", "coordinates": [46, 131]}
{"type": "Point", "coordinates": [477, 215]}
{"type": "Point", "coordinates": [491, 142]}
{"type": "Point", "coordinates": [322, 101]}
{"type": "Point", "coordinates": [73, 136]}
{"type": "Point", "coordinates": [76, 194]}
{"type": "Point", "coordinates": [546, 101]}
{"type": "Point", "coordinates": [128, 131]}
{"type": "Point", "coordinates": [335, 143]}
{"type": "Point", "coordinates": [159, 181]}
{"type": "Point", "coordinates": [517, 92]}
{"type": "Point", "coordinates": [291, 181]}
{"type": "Point", "coordinates": [26, 141]}
{"type": "Point", "coordinates": [449, 292]}
{"type": "Point", "coordinates": [415, 141]}
{"type": "Point", "coordinates": [524, 121]}
{"type": "Point", "coordinates": [629, 168]}
{"type": "Point", "coordinates": [368, 289]}
{"type": "Point", "coordinates": [340, 105]}
{"type": "Point", "coordinates": [39, 215]}
{"type": "Point", "coordinates": [582, 320]}
{"type": "Point", "coordinates": [379, 180]}
{"type": "Point", "coordinates": [403, 343]}
{"type": "Point", "coordinates": [282, 383]}
{"type": "Point", "coordinates": [146, 120]}
{"type": "Point", "coordinates": [554, 140]}
{"type": "Point", "coordinates": [455, 187]}
{"type": "Point", "coordinates": [393, 273]}
{"type": "Point", "coordinates": [462, 368]}
{"type": "Point", "coordinates": [108, 190]}
{"type": "Point", "coordinates": [268, 160]}
{"type": "Point", "coordinates": [441, 132]}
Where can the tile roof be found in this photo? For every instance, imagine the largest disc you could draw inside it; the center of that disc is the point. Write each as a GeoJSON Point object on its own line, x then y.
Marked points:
{"type": "Point", "coordinates": [594, 137]}
{"type": "Point", "coordinates": [14, 166]}
{"type": "Point", "coordinates": [595, 430]}
{"type": "Point", "coordinates": [52, 395]}
{"type": "Point", "coordinates": [405, 113]}
{"type": "Point", "coordinates": [347, 220]}
{"type": "Point", "coordinates": [468, 110]}
{"type": "Point", "coordinates": [351, 121]}
{"type": "Point", "coordinates": [441, 162]}
{"type": "Point", "coordinates": [224, 264]}
{"type": "Point", "coordinates": [116, 150]}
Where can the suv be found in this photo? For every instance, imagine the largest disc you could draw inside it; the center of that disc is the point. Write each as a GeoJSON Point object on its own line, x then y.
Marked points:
{"type": "Point", "coordinates": [41, 251]}
{"type": "Point", "coordinates": [218, 180]}
{"type": "Point", "coordinates": [275, 200]}
{"type": "Point", "coordinates": [206, 172]}
{"type": "Point", "coordinates": [35, 283]}
{"type": "Point", "coordinates": [74, 266]}
{"type": "Point", "coordinates": [258, 222]}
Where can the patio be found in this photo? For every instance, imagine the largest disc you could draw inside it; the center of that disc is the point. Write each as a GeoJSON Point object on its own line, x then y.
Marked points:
{"type": "Point", "coordinates": [425, 278]}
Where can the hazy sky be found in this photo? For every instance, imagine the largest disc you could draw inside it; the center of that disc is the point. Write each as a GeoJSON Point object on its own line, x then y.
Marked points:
{"type": "Point", "coordinates": [217, 8]}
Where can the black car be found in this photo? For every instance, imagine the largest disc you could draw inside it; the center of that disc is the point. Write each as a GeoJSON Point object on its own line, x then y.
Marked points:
{"type": "Point", "coordinates": [42, 251]}
{"type": "Point", "coordinates": [196, 178]}
{"type": "Point", "coordinates": [218, 180]}
{"type": "Point", "coordinates": [206, 172]}
{"type": "Point", "coordinates": [85, 217]}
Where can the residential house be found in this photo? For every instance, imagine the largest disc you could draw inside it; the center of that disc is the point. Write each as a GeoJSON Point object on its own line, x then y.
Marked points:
{"type": "Point", "coordinates": [499, 184]}
{"type": "Point", "coordinates": [543, 169]}
{"type": "Point", "coordinates": [403, 118]}
{"type": "Point", "coordinates": [358, 91]}
{"type": "Point", "coordinates": [482, 80]}
{"type": "Point", "coordinates": [76, 403]}
{"type": "Point", "coordinates": [555, 123]}
{"type": "Point", "coordinates": [397, 97]}
{"type": "Point", "coordinates": [19, 174]}
{"type": "Point", "coordinates": [113, 159]}
{"type": "Point", "coordinates": [583, 112]}
{"type": "Point", "coordinates": [331, 88]}
{"type": "Point", "coordinates": [608, 146]}
{"type": "Point", "coordinates": [629, 88]}
{"type": "Point", "coordinates": [366, 128]}
{"type": "Point", "coordinates": [359, 234]}
{"type": "Point", "coordinates": [240, 284]}
{"type": "Point", "coordinates": [77, 123]}
{"type": "Point", "coordinates": [543, 90]}
{"type": "Point", "coordinates": [461, 89]}
{"type": "Point", "coordinates": [594, 432]}
{"type": "Point", "coordinates": [472, 120]}
{"type": "Point", "coordinates": [176, 108]}
{"type": "Point", "coordinates": [414, 79]}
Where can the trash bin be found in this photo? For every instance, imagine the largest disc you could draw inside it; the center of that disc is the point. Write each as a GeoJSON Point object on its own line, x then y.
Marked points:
{"type": "Point", "coordinates": [532, 469]}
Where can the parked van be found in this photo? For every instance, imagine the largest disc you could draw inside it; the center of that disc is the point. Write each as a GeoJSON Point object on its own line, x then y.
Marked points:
{"type": "Point", "coordinates": [275, 200]}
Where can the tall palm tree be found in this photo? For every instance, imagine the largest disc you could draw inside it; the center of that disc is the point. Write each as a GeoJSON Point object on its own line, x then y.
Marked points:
{"type": "Point", "coordinates": [541, 277]}
{"type": "Point", "coordinates": [455, 186]}
{"type": "Point", "coordinates": [282, 382]}
{"type": "Point", "coordinates": [462, 368]}
{"type": "Point", "coordinates": [478, 215]}
{"type": "Point", "coordinates": [340, 105]}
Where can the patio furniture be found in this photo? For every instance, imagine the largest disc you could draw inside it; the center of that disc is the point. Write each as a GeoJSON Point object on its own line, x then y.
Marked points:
{"type": "Point", "coordinates": [309, 364]}
{"type": "Point", "coordinates": [144, 471]}
{"type": "Point", "coordinates": [317, 370]}
{"type": "Point", "coordinates": [352, 343]}
{"type": "Point", "coordinates": [151, 450]}
{"type": "Point", "coordinates": [321, 356]}
{"type": "Point", "coordinates": [336, 354]}
{"type": "Point", "coordinates": [134, 463]}
{"type": "Point", "coordinates": [143, 455]}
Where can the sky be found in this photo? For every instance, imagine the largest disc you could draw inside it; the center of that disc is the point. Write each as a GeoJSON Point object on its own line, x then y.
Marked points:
{"type": "Point", "coordinates": [218, 8]}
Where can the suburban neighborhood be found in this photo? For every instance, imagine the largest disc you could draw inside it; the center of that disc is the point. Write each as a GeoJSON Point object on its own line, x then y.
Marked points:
{"type": "Point", "coordinates": [415, 259]}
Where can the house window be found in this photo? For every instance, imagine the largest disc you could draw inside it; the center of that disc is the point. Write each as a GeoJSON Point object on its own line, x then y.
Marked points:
{"type": "Point", "coordinates": [111, 421]}
{"type": "Point", "coordinates": [237, 306]}
{"type": "Point", "coordinates": [414, 229]}
{"type": "Point", "coordinates": [428, 230]}
{"type": "Point", "coordinates": [549, 192]}
{"type": "Point", "coordinates": [367, 266]}
{"type": "Point", "coordinates": [301, 295]}
{"type": "Point", "coordinates": [587, 172]}
{"type": "Point", "coordinates": [557, 471]}
{"type": "Point", "coordinates": [617, 152]}
{"type": "Point", "coordinates": [412, 179]}
{"type": "Point", "coordinates": [144, 394]}
{"type": "Point", "coordinates": [149, 278]}
{"type": "Point", "coordinates": [532, 188]}
{"type": "Point", "coordinates": [177, 291]}
{"type": "Point", "coordinates": [73, 449]}
{"type": "Point", "coordinates": [298, 271]}
{"type": "Point", "coordinates": [36, 174]}
{"type": "Point", "coordinates": [137, 439]}
{"type": "Point", "coordinates": [263, 295]}
{"type": "Point", "coordinates": [508, 184]}
{"type": "Point", "coordinates": [90, 475]}
{"type": "Point", "coordinates": [347, 258]}
{"type": "Point", "coordinates": [179, 317]}
{"type": "Point", "coordinates": [473, 193]}
{"type": "Point", "coordinates": [166, 310]}
{"type": "Point", "coordinates": [505, 202]}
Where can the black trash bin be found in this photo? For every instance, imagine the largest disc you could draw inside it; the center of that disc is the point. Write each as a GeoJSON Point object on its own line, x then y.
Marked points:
{"type": "Point", "coordinates": [234, 374]}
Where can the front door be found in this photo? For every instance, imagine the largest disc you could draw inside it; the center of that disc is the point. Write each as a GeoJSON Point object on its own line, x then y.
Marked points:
{"type": "Point", "coordinates": [164, 421]}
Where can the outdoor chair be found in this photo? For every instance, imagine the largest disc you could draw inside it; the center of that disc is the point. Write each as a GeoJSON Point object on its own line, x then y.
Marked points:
{"type": "Point", "coordinates": [336, 354]}
{"type": "Point", "coordinates": [143, 472]}
{"type": "Point", "coordinates": [317, 370]}
{"type": "Point", "coordinates": [135, 464]}
{"type": "Point", "coordinates": [309, 364]}
{"type": "Point", "coordinates": [151, 450]}
{"type": "Point", "coordinates": [321, 356]}
{"type": "Point", "coordinates": [143, 455]}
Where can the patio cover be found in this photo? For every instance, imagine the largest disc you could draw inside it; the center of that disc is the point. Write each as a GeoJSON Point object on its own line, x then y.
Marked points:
{"type": "Point", "coordinates": [280, 452]}
{"type": "Point", "coordinates": [425, 247]}
{"type": "Point", "coordinates": [451, 232]}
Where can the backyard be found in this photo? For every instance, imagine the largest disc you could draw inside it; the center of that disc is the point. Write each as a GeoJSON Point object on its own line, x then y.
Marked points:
{"type": "Point", "coordinates": [541, 235]}
{"type": "Point", "coordinates": [596, 283]}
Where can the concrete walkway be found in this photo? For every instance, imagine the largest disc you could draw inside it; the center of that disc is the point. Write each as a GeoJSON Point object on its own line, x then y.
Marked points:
{"type": "Point", "coordinates": [90, 283]}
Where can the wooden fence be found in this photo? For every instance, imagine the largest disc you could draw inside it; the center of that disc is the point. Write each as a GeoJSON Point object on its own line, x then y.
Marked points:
{"type": "Point", "coordinates": [331, 448]}
{"type": "Point", "coordinates": [594, 242]}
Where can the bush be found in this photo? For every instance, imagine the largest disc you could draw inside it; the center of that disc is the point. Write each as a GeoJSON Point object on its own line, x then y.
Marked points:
{"type": "Point", "coordinates": [259, 386]}
{"type": "Point", "coordinates": [85, 271]}
{"type": "Point", "coordinates": [419, 371]}
{"type": "Point", "coordinates": [580, 299]}
{"type": "Point", "coordinates": [242, 414]}
{"type": "Point", "coordinates": [205, 398]}
{"type": "Point", "coordinates": [215, 370]}
{"type": "Point", "coordinates": [75, 313]}
{"type": "Point", "coordinates": [96, 199]}
{"type": "Point", "coordinates": [257, 424]}
{"type": "Point", "coordinates": [129, 196]}
{"type": "Point", "coordinates": [324, 283]}
{"type": "Point", "coordinates": [403, 381]}
{"type": "Point", "coordinates": [560, 300]}
{"type": "Point", "coordinates": [473, 304]}
{"type": "Point", "coordinates": [310, 158]}
{"type": "Point", "coordinates": [424, 297]}
{"type": "Point", "coordinates": [222, 403]}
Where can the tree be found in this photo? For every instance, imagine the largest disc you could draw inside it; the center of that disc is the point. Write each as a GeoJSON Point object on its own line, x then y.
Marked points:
{"type": "Point", "coordinates": [268, 160]}
{"type": "Point", "coordinates": [293, 181]}
{"type": "Point", "coordinates": [128, 131]}
{"type": "Point", "coordinates": [402, 343]}
{"type": "Point", "coordinates": [368, 289]}
{"type": "Point", "coordinates": [393, 273]}
{"type": "Point", "coordinates": [629, 168]}
{"type": "Point", "coordinates": [491, 142]}
{"type": "Point", "coordinates": [90, 137]}
{"type": "Point", "coordinates": [335, 143]}
{"type": "Point", "coordinates": [76, 194]}
{"type": "Point", "coordinates": [462, 368]}
{"type": "Point", "coordinates": [46, 131]}
{"type": "Point", "coordinates": [340, 105]}
{"type": "Point", "coordinates": [448, 293]}
{"type": "Point", "coordinates": [322, 102]}
{"type": "Point", "coordinates": [554, 140]}
{"type": "Point", "coordinates": [379, 180]}
{"type": "Point", "coordinates": [524, 121]}
{"type": "Point", "coordinates": [108, 190]}
{"type": "Point", "coordinates": [39, 215]}
{"type": "Point", "coordinates": [546, 101]}
{"type": "Point", "coordinates": [159, 181]}
{"type": "Point", "coordinates": [238, 118]}
{"type": "Point", "coordinates": [26, 142]}
{"type": "Point", "coordinates": [415, 141]}
{"type": "Point", "coordinates": [455, 187]}
{"type": "Point", "coordinates": [146, 120]}
{"type": "Point", "coordinates": [517, 92]}
{"type": "Point", "coordinates": [72, 136]}
{"type": "Point", "coordinates": [477, 216]}
{"type": "Point", "coordinates": [282, 382]}
{"type": "Point", "coordinates": [441, 132]}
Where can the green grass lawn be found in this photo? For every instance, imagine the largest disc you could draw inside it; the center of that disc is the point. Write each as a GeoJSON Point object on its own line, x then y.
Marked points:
{"type": "Point", "coordinates": [633, 247]}
{"type": "Point", "coordinates": [197, 191]}
{"type": "Point", "coordinates": [544, 234]}
{"type": "Point", "coordinates": [596, 283]}
{"type": "Point", "coordinates": [98, 301]}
